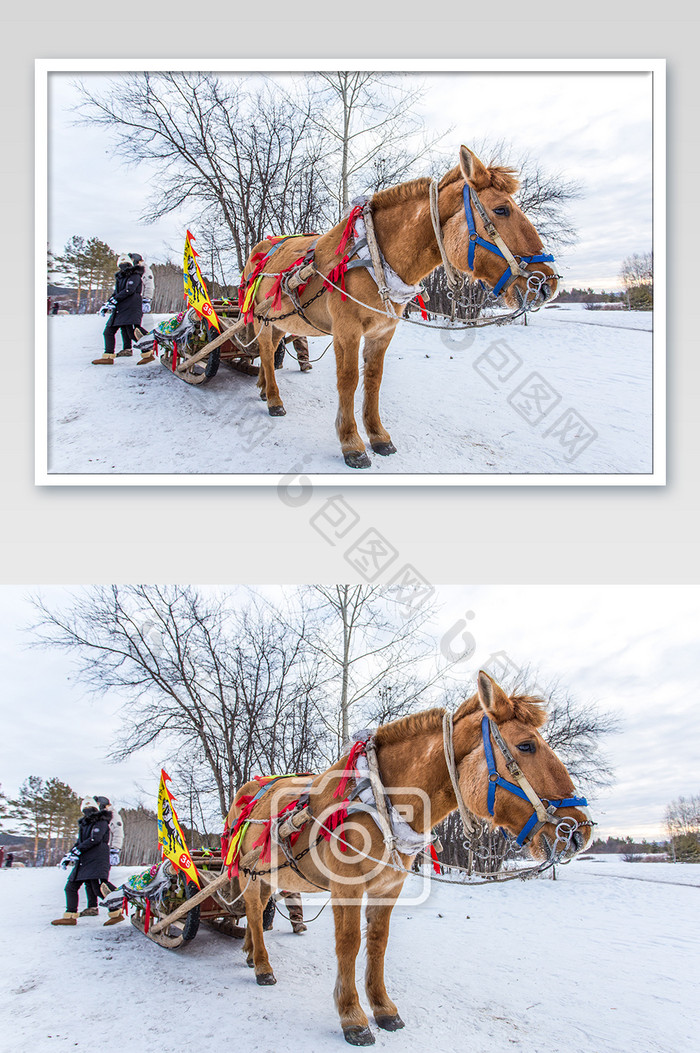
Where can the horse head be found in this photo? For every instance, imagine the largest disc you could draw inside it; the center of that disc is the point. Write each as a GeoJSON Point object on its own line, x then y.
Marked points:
{"type": "Point", "coordinates": [489, 237]}
{"type": "Point", "coordinates": [515, 780]}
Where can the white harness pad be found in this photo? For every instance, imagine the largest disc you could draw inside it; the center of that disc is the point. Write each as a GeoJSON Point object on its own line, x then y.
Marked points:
{"type": "Point", "coordinates": [400, 292]}
{"type": "Point", "coordinates": [408, 840]}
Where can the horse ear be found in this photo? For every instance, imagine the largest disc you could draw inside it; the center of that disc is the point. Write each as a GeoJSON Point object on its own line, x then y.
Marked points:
{"type": "Point", "coordinates": [475, 173]}
{"type": "Point", "coordinates": [494, 701]}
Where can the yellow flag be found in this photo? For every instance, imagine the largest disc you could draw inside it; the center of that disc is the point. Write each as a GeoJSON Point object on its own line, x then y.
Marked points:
{"type": "Point", "coordinates": [170, 836]}
{"type": "Point", "coordinates": [195, 290]}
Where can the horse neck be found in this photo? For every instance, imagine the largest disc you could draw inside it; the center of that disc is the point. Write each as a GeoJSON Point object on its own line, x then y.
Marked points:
{"type": "Point", "coordinates": [420, 762]}
{"type": "Point", "coordinates": [406, 237]}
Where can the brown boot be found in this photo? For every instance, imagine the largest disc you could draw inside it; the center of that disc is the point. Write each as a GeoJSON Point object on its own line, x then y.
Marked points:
{"type": "Point", "coordinates": [115, 916]}
{"type": "Point", "coordinates": [296, 917]}
{"type": "Point", "coordinates": [106, 360]}
{"type": "Point", "coordinates": [126, 352]}
{"type": "Point", "coordinates": [301, 346]}
{"type": "Point", "coordinates": [69, 918]}
{"type": "Point", "coordinates": [149, 357]}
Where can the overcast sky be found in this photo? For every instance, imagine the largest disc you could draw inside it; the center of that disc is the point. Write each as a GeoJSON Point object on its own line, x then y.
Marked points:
{"type": "Point", "coordinates": [594, 128]}
{"type": "Point", "coordinates": [632, 650]}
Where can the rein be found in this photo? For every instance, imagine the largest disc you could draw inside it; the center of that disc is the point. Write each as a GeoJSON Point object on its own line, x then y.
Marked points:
{"type": "Point", "coordinates": [544, 811]}
{"type": "Point", "coordinates": [516, 266]}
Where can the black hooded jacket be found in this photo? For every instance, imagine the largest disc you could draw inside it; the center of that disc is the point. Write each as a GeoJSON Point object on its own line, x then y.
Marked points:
{"type": "Point", "coordinates": [128, 284]}
{"type": "Point", "coordinates": [93, 845]}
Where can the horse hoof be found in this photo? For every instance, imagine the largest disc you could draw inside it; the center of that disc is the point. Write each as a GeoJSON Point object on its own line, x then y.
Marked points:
{"type": "Point", "coordinates": [389, 1023]}
{"type": "Point", "coordinates": [356, 459]}
{"type": "Point", "coordinates": [250, 963]}
{"type": "Point", "coordinates": [359, 1036]}
{"type": "Point", "coordinates": [383, 448]}
{"type": "Point", "coordinates": [263, 396]}
{"type": "Point", "coordinates": [265, 979]}
{"type": "Point", "coordinates": [277, 411]}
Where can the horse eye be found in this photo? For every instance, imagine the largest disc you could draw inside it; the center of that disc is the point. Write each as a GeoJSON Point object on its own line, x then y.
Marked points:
{"type": "Point", "coordinates": [502, 210]}
{"type": "Point", "coordinates": [526, 747]}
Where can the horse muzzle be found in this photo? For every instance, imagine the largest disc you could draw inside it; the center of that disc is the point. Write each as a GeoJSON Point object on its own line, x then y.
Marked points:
{"type": "Point", "coordinates": [569, 838]}
{"type": "Point", "coordinates": [535, 288]}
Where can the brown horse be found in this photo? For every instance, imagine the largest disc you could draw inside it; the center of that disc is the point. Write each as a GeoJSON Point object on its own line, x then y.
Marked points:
{"type": "Point", "coordinates": [412, 244]}
{"type": "Point", "coordinates": [348, 854]}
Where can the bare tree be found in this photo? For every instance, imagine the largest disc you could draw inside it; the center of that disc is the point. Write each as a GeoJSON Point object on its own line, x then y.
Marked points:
{"type": "Point", "coordinates": [637, 276]}
{"type": "Point", "coordinates": [378, 663]}
{"type": "Point", "coordinates": [682, 821]}
{"type": "Point", "coordinates": [240, 158]}
{"type": "Point", "coordinates": [367, 117]}
{"type": "Point", "coordinates": [217, 679]}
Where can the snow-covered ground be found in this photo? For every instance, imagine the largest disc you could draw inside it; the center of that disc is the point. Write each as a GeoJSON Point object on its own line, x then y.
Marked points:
{"type": "Point", "coordinates": [591, 963]}
{"type": "Point", "coordinates": [569, 393]}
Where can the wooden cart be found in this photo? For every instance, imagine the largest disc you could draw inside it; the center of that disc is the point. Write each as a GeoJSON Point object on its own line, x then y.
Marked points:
{"type": "Point", "coordinates": [175, 920]}
{"type": "Point", "coordinates": [198, 359]}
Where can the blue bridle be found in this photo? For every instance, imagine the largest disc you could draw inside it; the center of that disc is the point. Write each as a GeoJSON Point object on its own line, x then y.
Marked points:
{"type": "Point", "coordinates": [534, 823]}
{"type": "Point", "coordinates": [508, 276]}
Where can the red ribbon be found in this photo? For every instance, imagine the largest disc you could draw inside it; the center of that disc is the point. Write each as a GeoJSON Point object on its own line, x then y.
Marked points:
{"type": "Point", "coordinates": [421, 304]}
{"type": "Point", "coordinates": [174, 355]}
{"type": "Point", "coordinates": [337, 276]}
{"type": "Point", "coordinates": [349, 231]}
{"type": "Point", "coordinates": [147, 920]}
{"type": "Point", "coordinates": [358, 748]}
{"type": "Point", "coordinates": [276, 290]}
{"type": "Point", "coordinates": [335, 822]}
{"type": "Point", "coordinates": [436, 863]}
{"type": "Point", "coordinates": [259, 261]}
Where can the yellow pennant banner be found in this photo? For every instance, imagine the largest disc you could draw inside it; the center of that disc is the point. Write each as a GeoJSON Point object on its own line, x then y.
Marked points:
{"type": "Point", "coordinates": [195, 290]}
{"type": "Point", "coordinates": [170, 836]}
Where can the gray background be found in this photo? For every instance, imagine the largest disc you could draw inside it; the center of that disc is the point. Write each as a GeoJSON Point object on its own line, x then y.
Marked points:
{"type": "Point", "coordinates": [494, 534]}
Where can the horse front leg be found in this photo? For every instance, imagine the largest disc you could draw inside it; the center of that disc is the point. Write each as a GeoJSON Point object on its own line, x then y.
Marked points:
{"type": "Point", "coordinates": [373, 354]}
{"type": "Point", "coordinates": [348, 374]}
{"type": "Point", "coordinates": [254, 942]}
{"type": "Point", "coordinates": [353, 1019]}
{"type": "Point", "coordinates": [385, 1012]}
{"type": "Point", "coordinates": [268, 339]}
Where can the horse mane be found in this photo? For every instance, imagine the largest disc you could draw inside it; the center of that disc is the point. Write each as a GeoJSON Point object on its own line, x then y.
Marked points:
{"type": "Point", "coordinates": [528, 710]}
{"type": "Point", "coordinates": [504, 178]}
{"type": "Point", "coordinates": [406, 727]}
{"type": "Point", "coordinates": [501, 178]}
{"type": "Point", "coordinates": [394, 195]}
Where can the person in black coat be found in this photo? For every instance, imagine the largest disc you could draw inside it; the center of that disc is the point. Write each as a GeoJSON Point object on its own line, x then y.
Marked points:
{"type": "Point", "coordinates": [126, 309]}
{"type": "Point", "coordinates": [91, 855]}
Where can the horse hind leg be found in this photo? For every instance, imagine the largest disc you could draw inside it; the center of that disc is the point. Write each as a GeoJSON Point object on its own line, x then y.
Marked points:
{"type": "Point", "coordinates": [268, 339]}
{"type": "Point", "coordinates": [385, 1012]}
{"type": "Point", "coordinates": [254, 942]}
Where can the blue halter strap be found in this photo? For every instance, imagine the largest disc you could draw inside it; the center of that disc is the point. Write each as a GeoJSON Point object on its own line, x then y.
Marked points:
{"type": "Point", "coordinates": [497, 780]}
{"type": "Point", "coordinates": [475, 239]}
